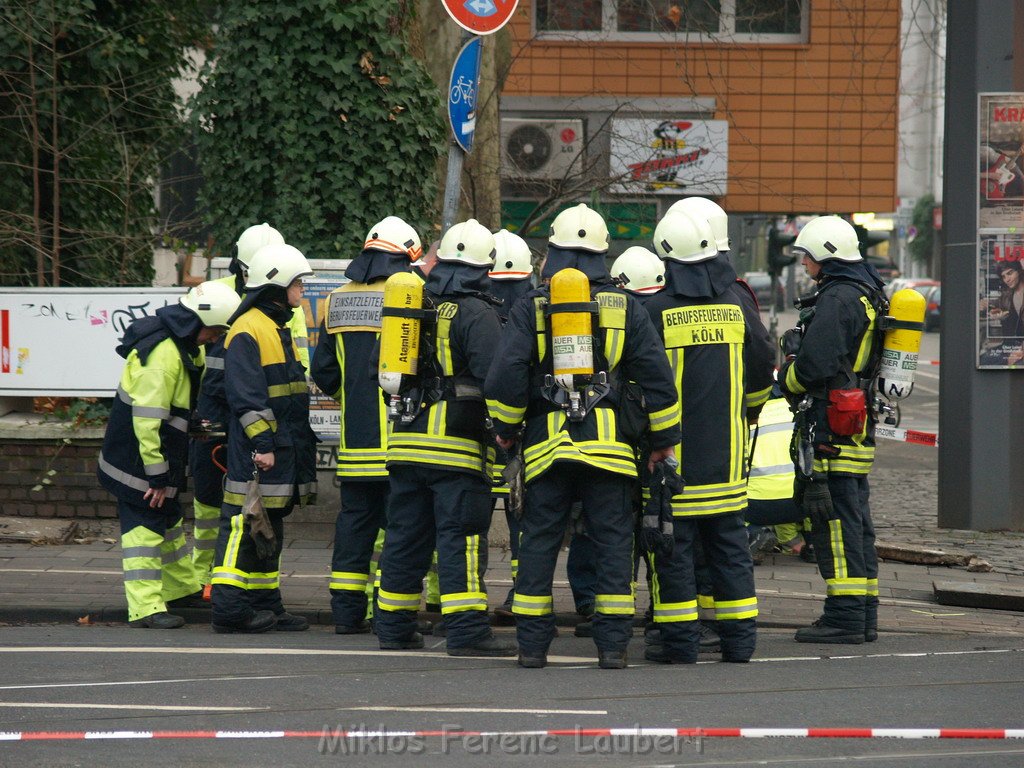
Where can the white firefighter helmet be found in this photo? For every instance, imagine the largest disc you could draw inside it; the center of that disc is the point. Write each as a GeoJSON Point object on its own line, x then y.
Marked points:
{"type": "Point", "coordinates": [828, 237]}
{"type": "Point", "coordinates": [393, 235]}
{"type": "Point", "coordinates": [702, 208]}
{"type": "Point", "coordinates": [278, 265]}
{"type": "Point", "coordinates": [213, 302]}
{"type": "Point", "coordinates": [254, 238]}
{"type": "Point", "coordinates": [512, 257]}
{"type": "Point", "coordinates": [642, 270]}
{"type": "Point", "coordinates": [580, 227]}
{"type": "Point", "coordinates": [682, 238]}
{"type": "Point", "coordinates": [468, 242]}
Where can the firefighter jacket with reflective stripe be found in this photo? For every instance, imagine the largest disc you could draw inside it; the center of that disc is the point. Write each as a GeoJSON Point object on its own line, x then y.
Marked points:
{"type": "Point", "coordinates": [626, 347]}
{"type": "Point", "coordinates": [266, 388]}
{"type": "Point", "coordinates": [341, 365]}
{"type": "Point", "coordinates": [211, 404]}
{"type": "Point", "coordinates": [771, 469]}
{"type": "Point", "coordinates": [451, 433]}
{"type": "Point", "coordinates": [838, 343]}
{"type": "Point", "coordinates": [722, 364]}
{"type": "Point", "coordinates": [146, 442]}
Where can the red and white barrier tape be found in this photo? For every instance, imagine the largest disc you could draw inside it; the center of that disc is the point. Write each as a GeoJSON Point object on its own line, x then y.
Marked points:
{"type": "Point", "coordinates": [907, 435]}
{"type": "Point", "coordinates": [692, 733]}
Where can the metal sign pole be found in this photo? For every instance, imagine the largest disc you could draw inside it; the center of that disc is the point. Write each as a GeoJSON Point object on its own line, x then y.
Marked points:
{"type": "Point", "coordinates": [452, 186]}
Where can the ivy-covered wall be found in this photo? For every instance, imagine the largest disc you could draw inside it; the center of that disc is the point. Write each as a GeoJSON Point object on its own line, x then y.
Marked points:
{"type": "Point", "coordinates": [314, 116]}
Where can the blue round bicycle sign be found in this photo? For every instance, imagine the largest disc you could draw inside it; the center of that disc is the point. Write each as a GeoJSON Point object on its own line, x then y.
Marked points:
{"type": "Point", "coordinates": [462, 93]}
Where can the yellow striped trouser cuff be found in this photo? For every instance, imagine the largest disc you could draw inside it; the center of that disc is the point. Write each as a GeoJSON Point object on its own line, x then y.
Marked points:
{"type": "Point", "coordinates": [532, 605]}
{"type": "Point", "coordinates": [398, 601]}
{"type": "Point", "coordinates": [670, 612]}
{"type": "Point", "coordinates": [456, 602]}
{"type": "Point", "coordinates": [734, 610]}
{"type": "Point", "coordinates": [352, 581]}
{"type": "Point", "coordinates": [614, 605]}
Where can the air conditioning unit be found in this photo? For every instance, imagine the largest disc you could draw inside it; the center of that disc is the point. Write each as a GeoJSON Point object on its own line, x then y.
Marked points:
{"type": "Point", "coordinates": [540, 149]}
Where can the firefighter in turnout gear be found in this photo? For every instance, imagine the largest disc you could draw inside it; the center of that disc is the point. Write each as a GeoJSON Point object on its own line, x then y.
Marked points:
{"type": "Point", "coordinates": [270, 443]}
{"type": "Point", "coordinates": [831, 359]}
{"type": "Point", "coordinates": [578, 453]}
{"type": "Point", "coordinates": [439, 452]}
{"type": "Point", "coordinates": [341, 361]}
{"type": "Point", "coordinates": [212, 407]}
{"type": "Point", "coordinates": [721, 361]}
{"type": "Point", "coordinates": [145, 448]}
{"type": "Point", "coordinates": [511, 279]}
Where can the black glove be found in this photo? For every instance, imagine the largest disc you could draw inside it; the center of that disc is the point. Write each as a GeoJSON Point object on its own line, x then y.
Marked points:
{"type": "Point", "coordinates": [656, 527]}
{"type": "Point", "coordinates": [817, 501]}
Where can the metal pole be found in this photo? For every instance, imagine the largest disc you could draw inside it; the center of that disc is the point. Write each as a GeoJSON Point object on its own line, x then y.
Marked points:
{"type": "Point", "coordinates": [452, 186]}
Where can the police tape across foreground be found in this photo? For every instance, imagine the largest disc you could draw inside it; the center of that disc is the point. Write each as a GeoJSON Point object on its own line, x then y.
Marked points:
{"type": "Point", "coordinates": [636, 409]}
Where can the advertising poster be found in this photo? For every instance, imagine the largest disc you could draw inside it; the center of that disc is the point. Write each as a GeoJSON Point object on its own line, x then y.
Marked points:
{"type": "Point", "coordinates": [670, 157]}
{"type": "Point", "coordinates": [1001, 161]}
{"type": "Point", "coordinates": [1001, 301]}
{"type": "Point", "coordinates": [324, 416]}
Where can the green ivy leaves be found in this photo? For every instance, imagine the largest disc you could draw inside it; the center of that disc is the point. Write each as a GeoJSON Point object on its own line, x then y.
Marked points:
{"type": "Point", "coordinates": [322, 123]}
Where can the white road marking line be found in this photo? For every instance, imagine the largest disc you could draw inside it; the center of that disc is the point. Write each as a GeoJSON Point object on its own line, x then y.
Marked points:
{"type": "Point", "coordinates": [141, 707]}
{"type": "Point", "coordinates": [145, 682]}
{"type": "Point", "coordinates": [269, 652]}
{"type": "Point", "coordinates": [482, 710]}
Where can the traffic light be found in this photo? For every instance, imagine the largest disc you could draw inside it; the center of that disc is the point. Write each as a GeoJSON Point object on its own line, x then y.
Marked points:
{"type": "Point", "coordinates": [778, 259]}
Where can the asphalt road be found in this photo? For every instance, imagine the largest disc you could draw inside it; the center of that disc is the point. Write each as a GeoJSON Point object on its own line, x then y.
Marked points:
{"type": "Point", "coordinates": [115, 679]}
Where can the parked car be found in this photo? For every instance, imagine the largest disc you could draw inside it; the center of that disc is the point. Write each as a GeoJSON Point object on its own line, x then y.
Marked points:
{"type": "Point", "coordinates": [933, 308]}
{"type": "Point", "coordinates": [917, 283]}
{"type": "Point", "coordinates": [761, 284]}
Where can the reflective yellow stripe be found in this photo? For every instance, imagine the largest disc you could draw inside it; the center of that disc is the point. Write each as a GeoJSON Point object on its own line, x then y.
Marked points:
{"type": "Point", "coordinates": [792, 382]}
{"type": "Point", "coordinates": [344, 580]}
{"type": "Point", "coordinates": [848, 586]}
{"type": "Point", "coordinates": [532, 605]}
{"type": "Point", "coordinates": [617, 605]}
{"type": "Point", "coordinates": [285, 390]}
{"type": "Point", "coordinates": [540, 323]}
{"type": "Point", "coordinates": [665, 613]}
{"type": "Point", "coordinates": [398, 601]}
{"type": "Point", "coordinates": [665, 418]}
{"type": "Point", "coordinates": [733, 610]}
{"type": "Point", "coordinates": [866, 341]}
{"type": "Point", "coordinates": [507, 414]}
{"type": "Point", "coordinates": [457, 602]}
{"type": "Point", "coordinates": [870, 584]}
{"type": "Point", "coordinates": [838, 549]}
{"type": "Point", "coordinates": [754, 399]}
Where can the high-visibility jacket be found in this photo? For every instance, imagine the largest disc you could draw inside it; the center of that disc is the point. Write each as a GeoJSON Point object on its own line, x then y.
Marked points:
{"type": "Point", "coordinates": [626, 347]}
{"type": "Point", "coordinates": [265, 385]}
{"type": "Point", "coordinates": [771, 467]}
{"type": "Point", "coordinates": [837, 347]}
{"type": "Point", "coordinates": [450, 434]}
{"type": "Point", "coordinates": [211, 403]}
{"type": "Point", "coordinates": [341, 364]}
{"type": "Point", "coordinates": [146, 442]}
{"type": "Point", "coordinates": [721, 363]}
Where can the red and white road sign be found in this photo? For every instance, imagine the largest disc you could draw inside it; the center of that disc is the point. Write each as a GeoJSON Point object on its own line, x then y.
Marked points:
{"type": "Point", "coordinates": [481, 17]}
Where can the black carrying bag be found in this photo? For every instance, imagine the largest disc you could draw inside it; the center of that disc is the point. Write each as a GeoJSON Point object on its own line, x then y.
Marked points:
{"type": "Point", "coordinates": [634, 422]}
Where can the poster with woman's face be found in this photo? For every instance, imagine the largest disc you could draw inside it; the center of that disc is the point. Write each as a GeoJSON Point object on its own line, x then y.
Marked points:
{"type": "Point", "coordinates": [1001, 301]}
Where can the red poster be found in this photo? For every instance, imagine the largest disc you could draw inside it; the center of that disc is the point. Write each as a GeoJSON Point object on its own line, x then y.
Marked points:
{"type": "Point", "coordinates": [5, 340]}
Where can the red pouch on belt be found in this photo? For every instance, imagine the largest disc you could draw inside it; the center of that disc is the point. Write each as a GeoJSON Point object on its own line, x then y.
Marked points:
{"type": "Point", "coordinates": [847, 411]}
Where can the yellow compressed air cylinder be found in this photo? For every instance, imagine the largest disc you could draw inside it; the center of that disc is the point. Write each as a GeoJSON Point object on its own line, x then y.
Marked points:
{"type": "Point", "coordinates": [901, 345]}
{"type": "Point", "coordinates": [399, 336]}
{"type": "Point", "coordinates": [572, 341]}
